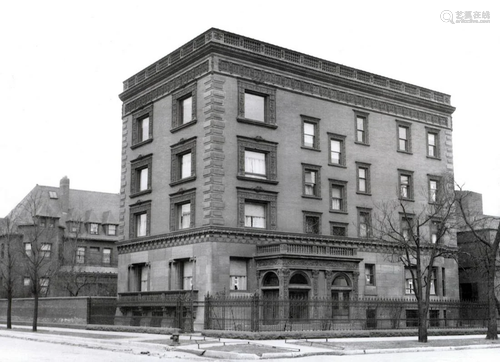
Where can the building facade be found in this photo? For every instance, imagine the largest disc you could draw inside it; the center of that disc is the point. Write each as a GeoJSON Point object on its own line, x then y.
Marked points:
{"type": "Point", "coordinates": [69, 234]}
{"type": "Point", "coordinates": [473, 273]}
{"type": "Point", "coordinates": [250, 168]}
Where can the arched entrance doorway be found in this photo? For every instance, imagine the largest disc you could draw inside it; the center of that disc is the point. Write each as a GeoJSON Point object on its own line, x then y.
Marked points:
{"type": "Point", "coordinates": [341, 290]}
{"type": "Point", "coordinates": [270, 296]}
{"type": "Point", "coordinates": [298, 294]}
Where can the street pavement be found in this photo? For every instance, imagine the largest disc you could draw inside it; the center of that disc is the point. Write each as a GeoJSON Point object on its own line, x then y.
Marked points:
{"type": "Point", "coordinates": [193, 345]}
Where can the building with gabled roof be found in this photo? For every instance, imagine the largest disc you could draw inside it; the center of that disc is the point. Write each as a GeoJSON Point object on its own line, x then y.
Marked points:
{"type": "Point", "coordinates": [81, 229]}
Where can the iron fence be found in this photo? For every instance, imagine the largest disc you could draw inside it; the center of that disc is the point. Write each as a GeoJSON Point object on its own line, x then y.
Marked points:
{"type": "Point", "coordinates": [256, 313]}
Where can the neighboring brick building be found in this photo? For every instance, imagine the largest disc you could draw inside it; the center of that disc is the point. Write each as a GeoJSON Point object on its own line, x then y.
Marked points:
{"type": "Point", "coordinates": [472, 258]}
{"type": "Point", "coordinates": [76, 232]}
{"type": "Point", "coordinates": [250, 168]}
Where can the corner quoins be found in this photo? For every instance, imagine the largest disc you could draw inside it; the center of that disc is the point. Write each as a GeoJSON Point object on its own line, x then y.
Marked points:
{"type": "Point", "coordinates": [213, 155]}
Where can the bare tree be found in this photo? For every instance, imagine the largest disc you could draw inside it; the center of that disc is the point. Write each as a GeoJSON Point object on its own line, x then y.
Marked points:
{"type": "Point", "coordinates": [417, 234]}
{"type": "Point", "coordinates": [9, 255]}
{"type": "Point", "coordinates": [485, 255]}
{"type": "Point", "coordinates": [39, 236]}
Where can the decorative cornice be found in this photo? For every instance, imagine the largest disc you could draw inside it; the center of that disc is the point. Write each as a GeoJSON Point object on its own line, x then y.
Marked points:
{"type": "Point", "coordinates": [241, 44]}
{"type": "Point", "coordinates": [167, 87]}
{"type": "Point", "coordinates": [246, 236]}
{"type": "Point", "coordinates": [329, 93]}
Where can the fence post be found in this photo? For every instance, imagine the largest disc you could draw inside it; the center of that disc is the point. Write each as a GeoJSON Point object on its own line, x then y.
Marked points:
{"type": "Point", "coordinates": [254, 313]}
{"type": "Point", "coordinates": [89, 310]}
{"type": "Point", "coordinates": [207, 312]}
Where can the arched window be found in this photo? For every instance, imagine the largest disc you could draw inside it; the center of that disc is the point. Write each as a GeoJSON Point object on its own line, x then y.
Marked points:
{"type": "Point", "coordinates": [340, 281]}
{"type": "Point", "coordinates": [299, 278]}
{"type": "Point", "coordinates": [270, 280]}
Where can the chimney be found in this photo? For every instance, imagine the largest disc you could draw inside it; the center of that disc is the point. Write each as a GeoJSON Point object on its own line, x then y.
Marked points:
{"type": "Point", "coordinates": [64, 190]}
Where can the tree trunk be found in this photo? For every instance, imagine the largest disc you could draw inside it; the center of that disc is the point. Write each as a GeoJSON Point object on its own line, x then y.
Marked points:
{"type": "Point", "coordinates": [35, 312]}
{"type": "Point", "coordinates": [492, 332]}
{"type": "Point", "coordinates": [422, 322]}
{"type": "Point", "coordinates": [9, 310]}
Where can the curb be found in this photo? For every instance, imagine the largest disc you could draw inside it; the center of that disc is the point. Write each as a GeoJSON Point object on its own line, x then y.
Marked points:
{"type": "Point", "coordinates": [137, 347]}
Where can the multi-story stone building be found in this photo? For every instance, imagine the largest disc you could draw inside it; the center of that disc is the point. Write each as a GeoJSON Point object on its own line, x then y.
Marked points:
{"type": "Point", "coordinates": [69, 234]}
{"type": "Point", "coordinates": [251, 168]}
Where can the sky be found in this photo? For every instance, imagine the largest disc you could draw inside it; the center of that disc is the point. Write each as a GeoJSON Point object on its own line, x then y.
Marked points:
{"type": "Point", "coordinates": [63, 64]}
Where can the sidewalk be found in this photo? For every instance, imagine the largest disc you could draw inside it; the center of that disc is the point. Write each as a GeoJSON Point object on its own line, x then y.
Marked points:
{"type": "Point", "coordinates": [195, 343]}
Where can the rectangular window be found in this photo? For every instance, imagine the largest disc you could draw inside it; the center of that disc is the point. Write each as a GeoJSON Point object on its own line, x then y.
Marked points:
{"type": "Point", "coordinates": [94, 256]}
{"type": "Point", "coordinates": [46, 251]}
{"type": "Point", "coordinates": [111, 230]}
{"type": "Point", "coordinates": [52, 194]}
{"type": "Point", "coordinates": [432, 143]}
{"type": "Point", "coordinates": [257, 160]}
{"type": "Point", "coordinates": [186, 110]}
{"type": "Point", "coordinates": [363, 178]}
{"type": "Point", "coordinates": [312, 222]}
{"type": "Point", "coordinates": [257, 208]}
{"type": "Point", "coordinates": [75, 227]}
{"type": "Point", "coordinates": [364, 223]}
{"type": "Point", "coordinates": [184, 216]}
{"type": "Point", "coordinates": [370, 274]}
{"type": "Point", "coordinates": [26, 281]}
{"type": "Point", "coordinates": [256, 104]}
{"type": "Point", "coordinates": [337, 200]}
{"type": "Point", "coordinates": [409, 286]}
{"type": "Point", "coordinates": [80, 255]}
{"type": "Point", "coordinates": [310, 182]}
{"type": "Point", "coordinates": [186, 165]}
{"type": "Point", "coordinates": [44, 286]}
{"type": "Point", "coordinates": [187, 275]}
{"type": "Point", "coordinates": [141, 221]}
{"type": "Point", "coordinates": [433, 281]}
{"type": "Point", "coordinates": [255, 164]}
{"type": "Point", "coordinates": [238, 274]}
{"type": "Point", "coordinates": [182, 210]}
{"type": "Point", "coordinates": [361, 127]}
{"type": "Point", "coordinates": [435, 231]}
{"type": "Point", "coordinates": [27, 249]}
{"type": "Point", "coordinates": [433, 189]}
{"type": "Point", "coordinates": [255, 107]}
{"type": "Point", "coordinates": [138, 277]}
{"type": "Point", "coordinates": [141, 169]}
{"type": "Point", "coordinates": [337, 150]}
{"type": "Point", "coordinates": [106, 256]}
{"type": "Point", "coordinates": [183, 161]}
{"type": "Point", "coordinates": [338, 196]}
{"type": "Point", "coordinates": [434, 318]}
{"type": "Point", "coordinates": [309, 134]}
{"type": "Point", "coordinates": [143, 129]}
{"type": "Point", "coordinates": [338, 229]}
{"type": "Point", "coordinates": [94, 229]}
{"type": "Point", "coordinates": [255, 215]}
{"type": "Point", "coordinates": [143, 179]}
{"type": "Point", "coordinates": [404, 136]}
{"type": "Point", "coordinates": [407, 228]}
{"type": "Point", "coordinates": [412, 318]}
{"type": "Point", "coordinates": [406, 185]}
{"type": "Point", "coordinates": [312, 225]}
